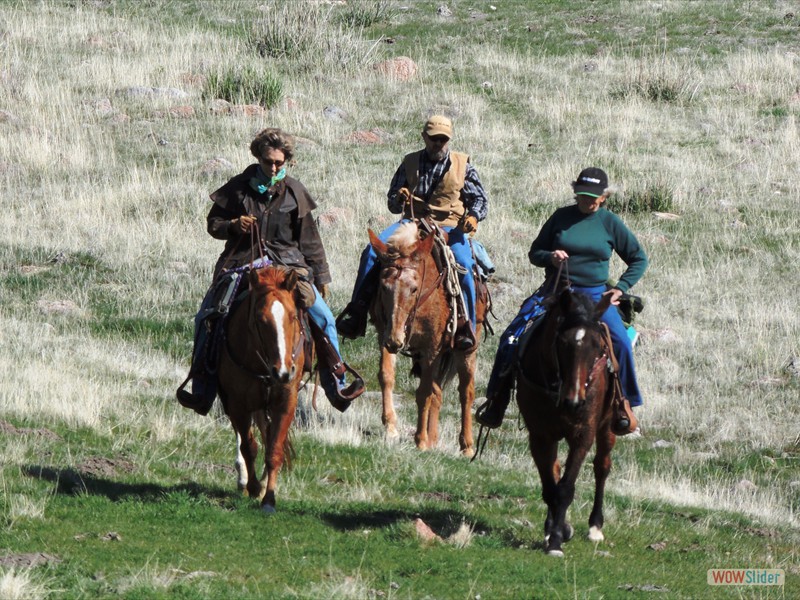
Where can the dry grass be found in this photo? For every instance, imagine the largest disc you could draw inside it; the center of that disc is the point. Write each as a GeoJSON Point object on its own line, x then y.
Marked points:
{"type": "Point", "coordinates": [126, 187]}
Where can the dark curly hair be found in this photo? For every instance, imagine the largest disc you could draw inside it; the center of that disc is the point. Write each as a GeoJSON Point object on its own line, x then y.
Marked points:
{"type": "Point", "coordinates": [273, 138]}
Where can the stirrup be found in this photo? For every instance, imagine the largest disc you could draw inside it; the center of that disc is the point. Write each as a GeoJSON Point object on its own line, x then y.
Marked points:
{"type": "Point", "coordinates": [193, 401]}
{"type": "Point", "coordinates": [338, 395]}
{"type": "Point", "coordinates": [488, 418]}
{"type": "Point", "coordinates": [625, 421]}
{"type": "Point", "coordinates": [464, 338]}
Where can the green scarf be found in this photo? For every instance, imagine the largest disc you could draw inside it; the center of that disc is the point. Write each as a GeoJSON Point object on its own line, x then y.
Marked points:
{"type": "Point", "coordinates": [263, 184]}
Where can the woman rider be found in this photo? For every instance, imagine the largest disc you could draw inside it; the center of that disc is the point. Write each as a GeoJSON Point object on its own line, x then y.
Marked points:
{"type": "Point", "coordinates": [580, 237]}
{"type": "Point", "coordinates": [279, 207]}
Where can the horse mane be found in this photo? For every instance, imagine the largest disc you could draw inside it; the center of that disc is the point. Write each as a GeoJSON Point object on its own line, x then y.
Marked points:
{"type": "Point", "coordinates": [403, 241]}
{"type": "Point", "coordinates": [268, 279]}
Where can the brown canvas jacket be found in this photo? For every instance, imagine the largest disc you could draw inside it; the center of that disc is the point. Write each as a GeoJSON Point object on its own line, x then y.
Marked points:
{"type": "Point", "coordinates": [285, 221]}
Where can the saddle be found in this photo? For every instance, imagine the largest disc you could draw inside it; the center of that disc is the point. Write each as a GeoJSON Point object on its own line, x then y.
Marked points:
{"type": "Point", "coordinates": [451, 270]}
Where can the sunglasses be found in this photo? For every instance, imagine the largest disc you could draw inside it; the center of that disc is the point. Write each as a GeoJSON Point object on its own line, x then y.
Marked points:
{"type": "Point", "coordinates": [272, 163]}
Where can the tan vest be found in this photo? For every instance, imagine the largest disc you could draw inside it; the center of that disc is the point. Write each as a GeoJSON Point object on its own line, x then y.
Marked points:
{"type": "Point", "coordinates": [445, 203]}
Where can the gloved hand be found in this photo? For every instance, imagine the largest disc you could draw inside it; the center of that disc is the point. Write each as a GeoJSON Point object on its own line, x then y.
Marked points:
{"type": "Point", "coordinates": [468, 224]}
{"type": "Point", "coordinates": [323, 291]}
{"type": "Point", "coordinates": [242, 224]}
{"type": "Point", "coordinates": [404, 195]}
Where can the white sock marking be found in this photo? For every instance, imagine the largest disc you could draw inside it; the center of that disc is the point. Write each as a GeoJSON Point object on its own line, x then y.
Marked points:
{"type": "Point", "coordinates": [241, 469]}
{"type": "Point", "coordinates": [596, 535]}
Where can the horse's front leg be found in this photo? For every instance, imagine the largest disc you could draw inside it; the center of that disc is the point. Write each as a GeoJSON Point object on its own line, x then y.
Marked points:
{"type": "Point", "coordinates": [602, 466]}
{"type": "Point", "coordinates": [245, 457]}
{"type": "Point", "coordinates": [386, 380]}
{"type": "Point", "coordinates": [561, 531]}
{"type": "Point", "coordinates": [427, 409]}
{"type": "Point", "coordinates": [281, 415]}
{"type": "Point", "coordinates": [466, 394]}
{"type": "Point", "coordinates": [545, 456]}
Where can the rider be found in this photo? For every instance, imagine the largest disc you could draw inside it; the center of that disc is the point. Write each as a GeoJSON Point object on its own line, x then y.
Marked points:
{"type": "Point", "coordinates": [264, 199]}
{"type": "Point", "coordinates": [580, 237]}
{"type": "Point", "coordinates": [442, 184]}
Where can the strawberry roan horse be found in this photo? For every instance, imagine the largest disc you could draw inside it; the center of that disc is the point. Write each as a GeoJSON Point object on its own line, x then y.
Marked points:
{"type": "Point", "coordinates": [411, 312]}
{"type": "Point", "coordinates": [260, 369]}
{"type": "Point", "coordinates": [565, 391]}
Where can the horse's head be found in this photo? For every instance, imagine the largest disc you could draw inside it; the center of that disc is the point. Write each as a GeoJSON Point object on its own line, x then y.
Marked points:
{"type": "Point", "coordinates": [579, 346]}
{"type": "Point", "coordinates": [403, 262]}
{"type": "Point", "coordinates": [275, 329]}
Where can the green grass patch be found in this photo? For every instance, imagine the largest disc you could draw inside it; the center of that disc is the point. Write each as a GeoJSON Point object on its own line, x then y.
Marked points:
{"type": "Point", "coordinates": [244, 85]}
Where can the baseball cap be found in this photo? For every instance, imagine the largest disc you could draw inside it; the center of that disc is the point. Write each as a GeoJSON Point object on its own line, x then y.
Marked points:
{"type": "Point", "coordinates": [438, 125]}
{"type": "Point", "coordinates": [591, 182]}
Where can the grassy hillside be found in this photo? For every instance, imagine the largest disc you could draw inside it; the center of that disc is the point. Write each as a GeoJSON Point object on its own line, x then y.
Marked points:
{"type": "Point", "coordinates": [112, 134]}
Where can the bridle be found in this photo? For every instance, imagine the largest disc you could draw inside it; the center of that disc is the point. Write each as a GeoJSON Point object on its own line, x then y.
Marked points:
{"type": "Point", "coordinates": [254, 324]}
{"type": "Point", "coordinates": [553, 390]}
{"type": "Point", "coordinates": [421, 296]}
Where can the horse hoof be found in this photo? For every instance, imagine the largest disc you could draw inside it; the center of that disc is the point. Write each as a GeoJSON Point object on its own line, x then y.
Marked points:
{"type": "Point", "coordinates": [268, 509]}
{"type": "Point", "coordinates": [556, 553]}
{"type": "Point", "coordinates": [468, 452]}
{"type": "Point", "coordinates": [391, 434]}
{"type": "Point", "coordinates": [595, 534]}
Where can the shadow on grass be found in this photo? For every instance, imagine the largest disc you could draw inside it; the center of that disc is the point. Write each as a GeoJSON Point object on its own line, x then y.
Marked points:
{"type": "Point", "coordinates": [72, 482]}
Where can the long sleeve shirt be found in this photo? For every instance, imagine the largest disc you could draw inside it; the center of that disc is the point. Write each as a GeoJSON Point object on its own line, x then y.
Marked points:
{"type": "Point", "coordinates": [589, 240]}
{"type": "Point", "coordinates": [430, 173]}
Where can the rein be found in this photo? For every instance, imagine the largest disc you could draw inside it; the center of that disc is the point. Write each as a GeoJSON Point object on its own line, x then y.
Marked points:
{"type": "Point", "coordinates": [266, 377]}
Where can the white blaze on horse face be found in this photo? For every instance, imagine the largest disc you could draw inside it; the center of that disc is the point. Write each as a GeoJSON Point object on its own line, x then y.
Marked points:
{"type": "Point", "coordinates": [579, 335]}
{"type": "Point", "coordinates": [278, 313]}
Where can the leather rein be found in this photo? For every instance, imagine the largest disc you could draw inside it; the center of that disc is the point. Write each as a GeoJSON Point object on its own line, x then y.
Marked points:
{"type": "Point", "coordinates": [553, 392]}
{"type": "Point", "coordinates": [266, 377]}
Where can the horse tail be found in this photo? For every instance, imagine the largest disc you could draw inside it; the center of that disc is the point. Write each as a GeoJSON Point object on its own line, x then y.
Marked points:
{"type": "Point", "coordinates": [447, 369]}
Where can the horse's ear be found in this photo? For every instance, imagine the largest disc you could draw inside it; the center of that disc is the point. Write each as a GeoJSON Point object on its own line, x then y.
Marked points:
{"type": "Point", "coordinates": [602, 306]}
{"type": "Point", "coordinates": [290, 280]}
{"type": "Point", "coordinates": [565, 299]}
{"type": "Point", "coordinates": [252, 276]}
{"type": "Point", "coordinates": [377, 245]}
{"type": "Point", "coordinates": [426, 246]}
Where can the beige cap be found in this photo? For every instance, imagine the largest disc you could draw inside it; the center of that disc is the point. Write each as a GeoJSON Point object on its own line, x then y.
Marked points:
{"type": "Point", "coordinates": [438, 125]}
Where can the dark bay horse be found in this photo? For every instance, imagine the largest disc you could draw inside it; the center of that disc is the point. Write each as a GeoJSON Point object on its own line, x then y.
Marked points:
{"type": "Point", "coordinates": [260, 368]}
{"type": "Point", "coordinates": [411, 312]}
{"type": "Point", "coordinates": [565, 391]}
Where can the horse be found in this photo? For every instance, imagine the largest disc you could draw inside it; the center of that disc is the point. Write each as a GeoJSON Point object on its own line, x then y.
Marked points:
{"type": "Point", "coordinates": [565, 391]}
{"type": "Point", "coordinates": [260, 370]}
{"type": "Point", "coordinates": [410, 312]}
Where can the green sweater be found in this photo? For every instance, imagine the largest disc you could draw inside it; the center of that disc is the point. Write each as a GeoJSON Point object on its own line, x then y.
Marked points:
{"type": "Point", "coordinates": [589, 241]}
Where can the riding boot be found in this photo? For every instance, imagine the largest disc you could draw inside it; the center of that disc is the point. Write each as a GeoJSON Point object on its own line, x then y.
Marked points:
{"type": "Point", "coordinates": [625, 421]}
{"type": "Point", "coordinates": [490, 414]}
{"type": "Point", "coordinates": [332, 372]}
{"type": "Point", "coordinates": [203, 383]}
{"type": "Point", "coordinates": [352, 322]}
{"type": "Point", "coordinates": [464, 338]}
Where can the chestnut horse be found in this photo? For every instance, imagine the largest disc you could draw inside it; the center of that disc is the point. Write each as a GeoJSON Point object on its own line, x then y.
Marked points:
{"type": "Point", "coordinates": [410, 312]}
{"type": "Point", "coordinates": [565, 391]}
{"type": "Point", "coordinates": [260, 369]}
